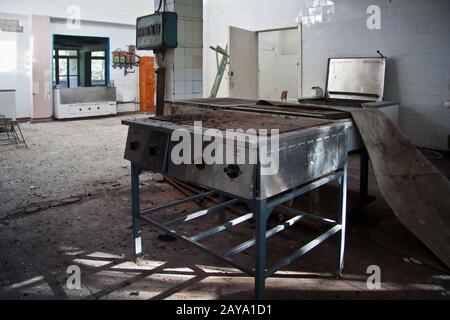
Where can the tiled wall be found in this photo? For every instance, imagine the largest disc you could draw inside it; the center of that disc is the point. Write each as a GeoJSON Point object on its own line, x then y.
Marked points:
{"type": "Point", "coordinates": [184, 64]}
{"type": "Point", "coordinates": [414, 35]}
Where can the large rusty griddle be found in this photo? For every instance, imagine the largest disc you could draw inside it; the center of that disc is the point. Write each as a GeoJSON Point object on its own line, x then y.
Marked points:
{"type": "Point", "coordinates": [309, 110]}
{"type": "Point", "coordinates": [223, 120]}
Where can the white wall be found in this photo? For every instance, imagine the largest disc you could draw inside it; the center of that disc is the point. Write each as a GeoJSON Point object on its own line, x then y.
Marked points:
{"type": "Point", "coordinates": [113, 19]}
{"type": "Point", "coordinates": [120, 36]}
{"type": "Point", "coordinates": [415, 35]}
{"type": "Point", "coordinates": [16, 64]}
{"type": "Point", "coordinates": [115, 11]}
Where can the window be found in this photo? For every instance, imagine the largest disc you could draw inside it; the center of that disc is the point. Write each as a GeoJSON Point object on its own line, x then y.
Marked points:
{"type": "Point", "coordinates": [80, 61]}
{"type": "Point", "coordinates": [66, 68]}
{"type": "Point", "coordinates": [98, 54]}
{"type": "Point", "coordinates": [68, 53]}
{"type": "Point", "coordinates": [98, 68]}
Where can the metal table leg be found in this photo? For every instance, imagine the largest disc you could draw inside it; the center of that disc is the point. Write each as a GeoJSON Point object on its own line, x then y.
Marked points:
{"type": "Point", "coordinates": [342, 218]}
{"type": "Point", "coordinates": [261, 212]}
{"type": "Point", "coordinates": [21, 135]}
{"type": "Point", "coordinates": [136, 207]}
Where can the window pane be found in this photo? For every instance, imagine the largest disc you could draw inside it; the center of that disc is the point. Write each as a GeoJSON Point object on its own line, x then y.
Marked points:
{"type": "Point", "coordinates": [98, 69]}
{"type": "Point", "coordinates": [73, 69]}
{"type": "Point", "coordinates": [62, 67]}
{"type": "Point", "coordinates": [68, 53]}
{"type": "Point", "coordinates": [73, 82]}
{"type": "Point", "coordinates": [63, 82]}
{"type": "Point", "coordinates": [100, 54]}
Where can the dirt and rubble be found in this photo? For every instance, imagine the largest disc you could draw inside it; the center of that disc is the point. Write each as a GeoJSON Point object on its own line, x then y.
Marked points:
{"type": "Point", "coordinates": [67, 161]}
{"type": "Point", "coordinates": [66, 202]}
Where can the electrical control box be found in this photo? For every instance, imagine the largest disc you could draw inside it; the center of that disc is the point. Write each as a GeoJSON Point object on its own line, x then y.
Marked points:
{"type": "Point", "coordinates": [157, 31]}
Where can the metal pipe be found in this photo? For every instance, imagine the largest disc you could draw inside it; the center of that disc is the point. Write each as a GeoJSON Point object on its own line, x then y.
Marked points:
{"type": "Point", "coordinates": [178, 203]}
{"type": "Point", "coordinates": [292, 211]}
{"type": "Point", "coordinates": [244, 246]}
{"type": "Point", "coordinates": [304, 250]}
{"type": "Point", "coordinates": [311, 186]}
{"type": "Point", "coordinates": [223, 227]}
{"type": "Point", "coordinates": [197, 245]}
{"type": "Point", "coordinates": [200, 213]}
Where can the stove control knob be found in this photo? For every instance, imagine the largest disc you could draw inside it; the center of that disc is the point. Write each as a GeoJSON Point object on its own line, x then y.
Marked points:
{"type": "Point", "coordinates": [233, 171]}
{"type": "Point", "coordinates": [135, 145]}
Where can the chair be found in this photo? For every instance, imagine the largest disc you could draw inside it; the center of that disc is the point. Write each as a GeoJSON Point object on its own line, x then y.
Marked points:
{"type": "Point", "coordinates": [12, 130]}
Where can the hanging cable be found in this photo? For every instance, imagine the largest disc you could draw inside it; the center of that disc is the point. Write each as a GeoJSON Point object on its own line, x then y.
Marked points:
{"type": "Point", "coordinates": [160, 5]}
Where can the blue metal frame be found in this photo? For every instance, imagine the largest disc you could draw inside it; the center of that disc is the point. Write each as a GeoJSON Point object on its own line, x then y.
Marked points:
{"type": "Point", "coordinates": [261, 211]}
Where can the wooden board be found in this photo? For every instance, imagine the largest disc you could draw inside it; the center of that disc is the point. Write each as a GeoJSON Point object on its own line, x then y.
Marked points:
{"type": "Point", "coordinates": [414, 188]}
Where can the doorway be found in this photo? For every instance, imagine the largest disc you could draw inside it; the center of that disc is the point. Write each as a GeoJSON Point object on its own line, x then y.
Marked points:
{"type": "Point", "coordinates": [263, 64]}
{"type": "Point", "coordinates": [279, 64]}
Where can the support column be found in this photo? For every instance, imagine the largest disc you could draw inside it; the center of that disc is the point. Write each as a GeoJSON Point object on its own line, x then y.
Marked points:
{"type": "Point", "coordinates": [160, 91]}
{"type": "Point", "coordinates": [42, 75]}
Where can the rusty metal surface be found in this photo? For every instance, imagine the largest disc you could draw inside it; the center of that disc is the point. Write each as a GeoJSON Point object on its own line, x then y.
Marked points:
{"type": "Point", "coordinates": [223, 120]}
{"type": "Point", "coordinates": [303, 109]}
{"type": "Point", "coordinates": [413, 187]}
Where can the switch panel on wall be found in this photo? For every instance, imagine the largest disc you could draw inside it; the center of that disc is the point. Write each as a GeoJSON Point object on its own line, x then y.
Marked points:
{"type": "Point", "coordinates": [157, 31]}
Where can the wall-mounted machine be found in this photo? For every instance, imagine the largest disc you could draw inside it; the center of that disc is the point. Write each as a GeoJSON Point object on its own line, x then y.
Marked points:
{"type": "Point", "coordinates": [157, 31]}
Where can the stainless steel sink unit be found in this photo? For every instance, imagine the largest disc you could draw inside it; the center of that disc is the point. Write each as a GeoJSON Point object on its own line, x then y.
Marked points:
{"type": "Point", "coordinates": [312, 153]}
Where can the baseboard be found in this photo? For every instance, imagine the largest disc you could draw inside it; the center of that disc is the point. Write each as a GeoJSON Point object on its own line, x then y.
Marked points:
{"type": "Point", "coordinates": [22, 120]}
{"type": "Point", "coordinates": [41, 120]}
{"type": "Point", "coordinates": [128, 113]}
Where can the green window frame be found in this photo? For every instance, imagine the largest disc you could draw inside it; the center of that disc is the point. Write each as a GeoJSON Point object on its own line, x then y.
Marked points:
{"type": "Point", "coordinates": [66, 57]}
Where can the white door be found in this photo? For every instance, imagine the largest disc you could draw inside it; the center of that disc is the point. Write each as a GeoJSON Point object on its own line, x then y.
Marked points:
{"type": "Point", "coordinates": [243, 75]}
{"type": "Point", "coordinates": [279, 64]}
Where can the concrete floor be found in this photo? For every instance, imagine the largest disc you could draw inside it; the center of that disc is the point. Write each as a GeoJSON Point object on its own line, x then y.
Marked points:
{"type": "Point", "coordinates": [66, 202]}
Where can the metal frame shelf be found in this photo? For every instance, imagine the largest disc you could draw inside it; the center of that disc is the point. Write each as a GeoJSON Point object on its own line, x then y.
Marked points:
{"type": "Point", "coordinates": [261, 210]}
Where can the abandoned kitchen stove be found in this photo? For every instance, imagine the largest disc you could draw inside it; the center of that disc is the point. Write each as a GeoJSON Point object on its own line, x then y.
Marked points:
{"type": "Point", "coordinates": [351, 83]}
{"type": "Point", "coordinates": [312, 153]}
